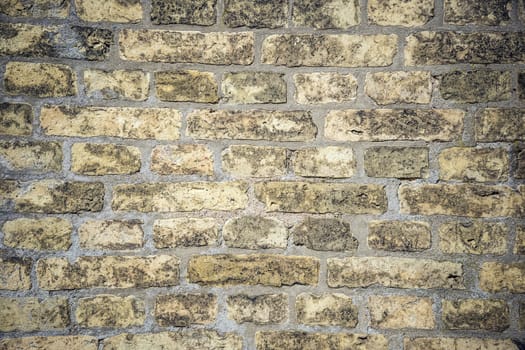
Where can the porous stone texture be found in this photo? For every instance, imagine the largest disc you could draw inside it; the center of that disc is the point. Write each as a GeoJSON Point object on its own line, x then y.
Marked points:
{"type": "Point", "coordinates": [399, 87]}
{"type": "Point", "coordinates": [111, 234]}
{"type": "Point", "coordinates": [473, 237]}
{"type": "Point", "coordinates": [49, 233]}
{"type": "Point", "coordinates": [182, 160]}
{"type": "Point", "coordinates": [479, 314]}
{"type": "Point", "coordinates": [110, 311]}
{"type": "Point", "coordinates": [399, 162]}
{"type": "Point", "coordinates": [325, 234]}
{"type": "Point", "coordinates": [497, 277]}
{"type": "Point", "coordinates": [336, 14]}
{"type": "Point", "coordinates": [326, 310]}
{"type": "Point", "coordinates": [474, 164]}
{"type": "Point", "coordinates": [35, 8]}
{"type": "Point", "coordinates": [399, 236]}
{"type": "Point", "coordinates": [519, 245]}
{"type": "Point", "coordinates": [296, 340]}
{"type": "Point", "coordinates": [254, 161]}
{"type": "Point", "coordinates": [31, 156]}
{"type": "Point", "coordinates": [320, 88]}
{"type": "Point", "coordinates": [185, 309]}
{"type": "Point", "coordinates": [405, 13]}
{"type": "Point", "coordinates": [185, 232]}
{"type": "Point", "coordinates": [400, 312]}
{"type": "Point", "coordinates": [255, 232]}
{"type": "Point", "coordinates": [130, 85]}
{"type": "Point", "coordinates": [31, 314]}
{"type": "Point", "coordinates": [104, 159]}
{"type": "Point", "coordinates": [476, 86]}
{"type": "Point", "coordinates": [521, 80]}
{"type": "Point", "coordinates": [491, 12]}
{"type": "Point", "coordinates": [258, 309]}
{"type": "Point", "coordinates": [80, 342]}
{"type": "Point", "coordinates": [330, 161]}
{"type": "Point", "coordinates": [495, 124]}
{"type": "Point", "coordinates": [198, 12]}
{"type": "Point", "coordinates": [14, 273]}
{"type": "Point", "coordinates": [253, 87]}
{"type": "Point", "coordinates": [255, 14]}
{"type": "Point", "coordinates": [458, 343]}
{"type": "Point", "coordinates": [129, 11]}
{"type": "Point", "coordinates": [186, 86]}
{"type": "Point", "coordinates": [16, 119]}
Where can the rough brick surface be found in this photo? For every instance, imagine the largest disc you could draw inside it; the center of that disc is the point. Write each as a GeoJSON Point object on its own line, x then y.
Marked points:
{"type": "Point", "coordinates": [259, 309]}
{"type": "Point", "coordinates": [398, 312]}
{"type": "Point", "coordinates": [110, 311]}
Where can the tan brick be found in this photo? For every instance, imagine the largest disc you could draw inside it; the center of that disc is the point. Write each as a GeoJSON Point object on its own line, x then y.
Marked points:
{"type": "Point", "coordinates": [477, 314]}
{"type": "Point", "coordinates": [312, 197]}
{"type": "Point", "coordinates": [104, 159]}
{"type": "Point", "coordinates": [182, 160]}
{"type": "Point", "coordinates": [35, 8]}
{"type": "Point", "coordinates": [518, 151]}
{"type": "Point", "coordinates": [462, 200]}
{"type": "Point", "coordinates": [264, 269]}
{"type": "Point", "coordinates": [474, 164]}
{"type": "Point", "coordinates": [192, 47]}
{"type": "Point", "coordinates": [400, 312]}
{"type": "Point", "coordinates": [255, 232]}
{"type": "Point", "coordinates": [393, 125]}
{"type": "Point", "coordinates": [296, 340]}
{"type": "Point", "coordinates": [244, 161]}
{"type": "Point", "coordinates": [16, 119]}
{"type": "Point", "coordinates": [186, 86]}
{"type": "Point", "coordinates": [199, 12]}
{"type": "Point", "coordinates": [495, 124]}
{"type": "Point", "coordinates": [251, 125]}
{"type": "Point", "coordinates": [491, 12]}
{"type": "Point", "coordinates": [476, 86]}
{"type": "Point", "coordinates": [38, 234]}
{"type": "Point", "coordinates": [125, 122]}
{"type": "Point", "coordinates": [394, 273]}
{"type": "Point", "coordinates": [406, 13]}
{"type": "Point", "coordinates": [326, 310]}
{"type": "Point", "coordinates": [519, 246]}
{"type": "Point", "coordinates": [39, 79]}
{"type": "Point", "coordinates": [77, 342]}
{"type": "Point", "coordinates": [399, 87]}
{"type": "Point", "coordinates": [130, 85]}
{"type": "Point", "coordinates": [497, 277]}
{"type": "Point", "coordinates": [258, 309]}
{"type": "Point", "coordinates": [399, 162]}
{"type": "Point", "coordinates": [325, 234]}
{"type": "Point", "coordinates": [108, 272]}
{"type": "Point", "coordinates": [327, 14]}
{"type": "Point", "coordinates": [253, 87]}
{"type": "Point", "coordinates": [32, 314]}
{"type": "Point", "coordinates": [329, 161]}
{"type": "Point", "coordinates": [475, 237]}
{"type": "Point", "coordinates": [326, 87]}
{"type": "Point", "coordinates": [399, 236]}
{"type": "Point", "coordinates": [329, 50]}
{"type": "Point", "coordinates": [110, 311]}
{"type": "Point", "coordinates": [15, 273]}
{"type": "Point", "coordinates": [31, 155]}
{"type": "Point", "coordinates": [109, 11]}
{"type": "Point", "coordinates": [458, 343]}
{"type": "Point", "coordinates": [111, 234]}
{"type": "Point", "coordinates": [182, 310]}
{"type": "Point", "coordinates": [255, 14]}
{"type": "Point", "coordinates": [185, 232]}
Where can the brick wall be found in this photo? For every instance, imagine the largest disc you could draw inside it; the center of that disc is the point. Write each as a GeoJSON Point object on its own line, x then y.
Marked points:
{"type": "Point", "coordinates": [262, 174]}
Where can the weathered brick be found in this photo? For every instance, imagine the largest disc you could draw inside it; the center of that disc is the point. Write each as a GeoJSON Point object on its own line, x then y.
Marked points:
{"type": "Point", "coordinates": [110, 311]}
{"type": "Point", "coordinates": [329, 87]}
{"type": "Point", "coordinates": [495, 124]}
{"type": "Point", "coordinates": [255, 14]}
{"type": "Point", "coordinates": [255, 232]}
{"type": "Point", "coordinates": [476, 86]}
{"type": "Point", "coordinates": [186, 86]}
{"type": "Point", "coordinates": [129, 11]}
{"type": "Point", "coordinates": [254, 161]}
{"type": "Point", "coordinates": [77, 342]}
{"type": "Point", "coordinates": [522, 316]}
{"type": "Point", "coordinates": [399, 312]}
{"type": "Point", "coordinates": [31, 156]}
{"type": "Point", "coordinates": [253, 87]}
{"type": "Point", "coordinates": [399, 236]}
{"type": "Point", "coordinates": [325, 234]}
{"type": "Point", "coordinates": [296, 340]}
{"type": "Point", "coordinates": [264, 269]}
{"type": "Point", "coordinates": [38, 234]}
{"type": "Point", "coordinates": [313, 197]}
{"type": "Point", "coordinates": [182, 310]}
{"type": "Point", "coordinates": [35, 9]}
{"type": "Point", "coordinates": [108, 272]}
{"type": "Point", "coordinates": [477, 314]}
{"type": "Point", "coordinates": [500, 277]}
{"type": "Point", "coordinates": [326, 310]}
{"type": "Point", "coordinates": [491, 12]}
{"type": "Point", "coordinates": [521, 83]}
{"type": "Point", "coordinates": [199, 12]}
{"type": "Point", "coordinates": [399, 162]}
{"type": "Point", "coordinates": [14, 273]}
{"type": "Point", "coordinates": [399, 87]}
{"type": "Point", "coordinates": [518, 151]}
{"type": "Point", "coordinates": [9, 190]}
{"type": "Point", "coordinates": [39, 79]}
{"type": "Point", "coordinates": [458, 343]}
{"type": "Point", "coordinates": [111, 234]}
{"type": "Point", "coordinates": [519, 246]}
{"type": "Point", "coordinates": [251, 125]}
{"type": "Point", "coordinates": [130, 85]}
{"type": "Point", "coordinates": [394, 273]}
{"type": "Point", "coordinates": [32, 314]}
{"type": "Point", "coordinates": [406, 13]}
{"type": "Point", "coordinates": [182, 160]}
{"type": "Point", "coordinates": [329, 50]}
{"type": "Point", "coordinates": [258, 309]}
{"type": "Point", "coordinates": [475, 237]}
{"type": "Point", "coordinates": [326, 14]}
{"type": "Point", "coordinates": [180, 196]}
{"type": "Point", "coordinates": [124, 122]}
{"type": "Point", "coordinates": [329, 161]}
{"type": "Point", "coordinates": [436, 48]}
{"type": "Point", "coordinates": [185, 232]}
{"type": "Point", "coordinates": [462, 200]}
{"type": "Point", "coordinates": [474, 164]}
{"type": "Point", "coordinates": [16, 119]}
{"type": "Point", "coordinates": [392, 124]}
{"type": "Point", "coordinates": [104, 159]}
{"type": "Point", "coordinates": [192, 47]}
{"type": "Point", "coordinates": [521, 10]}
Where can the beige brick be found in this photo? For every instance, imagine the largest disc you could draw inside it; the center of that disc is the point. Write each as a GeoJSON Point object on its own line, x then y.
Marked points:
{"type": "Point", "coordinates": [394, 125]}
{"type": "Point", "coordinates": [255, 232]}
{"type": "Point", "coordinates": [326, 87]}
{"type": "Point", "coordinates": [130, 85]}
{"type": "Point", "coordinates": [110, 311]}
{"type": "Point", "coordinates": [111, 234]}
{"type": "Point", "coordinates": [327, 14]}
{"type": "Point", "coordinates": [473, 237]}
{"type": "Point", "coordinates": [474, 164]}
{"type": "Point", "coordinates": [182, 160]}
{"type": "Point", "coordinates": [251, 125]}
{"type": "Point", "coordinates": [35, 8]}
{"type": "Point", "coordinates": [296, 340]}
{"type": "Point", "coordinates": [244, 161]}
{"type": "Point", "coordinates": [458, 343]}
{"type": "Point", "coordinates": [401, 312]}
{"type": "Point", "coordinates": [491, 12]}
{"type": "Point", "coordinates": [38, 234]}
{"type": "Point", "coordinates": [108, 272]}
{"type": "Point", "coordinates": [109, 10]}
{"type": "Point", "coordinates": [329, 50]}
{"type": "Point", "coordinates": [39, 79]}
{"type": "Point", "coordinates": [253, 87]}
{"type": "Point", "coordinates": [406, 13]}
{"type": "Point", "coordinates": [77, 342]}
{"type": "Point", "coordinates": [476, 86]}
{"type": "Point", "coordinates": [185, 232]}
{"type": "Point", "coordinates": [199, 12]}
{"type": "Point", "coordinates": [399, 162]}
{"type": "Point", "coordinates": [255, 14]}
{"type": "Point", "coordinates": [32, 314]}
{"type": "Point", "coordinates": [500, 124]}
{"type": "Point", "coordinates": [31, 155]}
{"type": "Point", "coordinates": [16, 119]}
{"type": "Point", "coordinates": [326, 310]}
{"type": "Point", "coordinates": [15, 273]}
{"type": "Point", "coordinates": [329, 161]}
{"type": "Point", "coordinates": [399, 236]}
{"type": "Point", "coordinates": [519, 246]}
{"type": "Point", "coordinates": [264, 269]}
{"type": "Point", "coordinates": [182, 310]}
{"type": "Point", "coordinates": [186, 86]}
{"type": "Point", "coordinates": [104, 159]}
{"type": "Point", "coordinates": [258, 309]}
{"type": "Point", "coordinates": [399, 87]}
{"type": "Point", "coordinates": [497, 277]}
{"type": "Point", "coordinates": [477, 314]}
{"type": "Point", "coordinates": [312, 197]}
{"type": "Point", "coordinates": [394, 273]}
{"type": "Point", "coordinates": [325, 234]}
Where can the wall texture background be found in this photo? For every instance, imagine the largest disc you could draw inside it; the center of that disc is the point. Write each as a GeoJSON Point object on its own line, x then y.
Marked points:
{"type": "Point", "coordinates": [262, 174]}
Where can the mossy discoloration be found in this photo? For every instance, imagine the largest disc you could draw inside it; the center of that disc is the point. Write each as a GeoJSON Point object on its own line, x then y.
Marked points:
{"type": "Point", "coordinates": [183, 310]}
{"type": "Point", "coordinates": [255, 13]}
{"type": "Point", "coordinates": [473, 237]}
{"type": "Point", "coordinates": [326, 310]}
{"type": "Point", "coordinates": [319, 88]}
{"type": "Point", "coordinates": [497, 277]}
{"type": "Point", "coordinates": [198, 12]}
{"type": "Point", "coordinates": [488, 12]}
{"type": "Point", "coordinates": [110, 311]}
{"type": "Point", "coordinates": [458, 343]}
{"type": "Point", "coordinates": [16, 119]}
{"type": "Point", "coordinates": [398, 312]}
{"type": "Point", "coordinates": [476, 86]}
{"type": "Point", "coordinates": [399, 87]}
{"type": "Point", "coordinates": [185, 232]}
{"type": "Point", "coordinates": [121, 11]}
{"type": "Point", "coordinates": [323, 14]}
{"type": "Point", "coordinates": [39, 79]}
{"type": "Point", "coordinates": [476, 314]}
{"type": "Point", "coordinates": [399, 236]}
{"type": "Point", "coordinates": [35, 8]}
{"type": "Point", "coordinates": [92, 44]}
{"type": "Point", "coordinates": [118, 84]}
{"type": "Point", "coordinates": [521, 85]}
{"type": "Point", "coordinates": [186, 86]}
{"type": "Point", "coordinates": [254, 161]}
{"type": "Point", "coordinates": [77, 342]}
{"type": "Point", "coordinates": [255, 232]}
{"type": "Point", "coordinates": [406, 13]}
{"type": "Point", "coordinates": [28, 40]}
{"type": "Point", "coordinates": [31, 155]}
{"type": "Point", "coordinates": [38, 234]}
{"type": "Point", "coordinates": [113, 234]}
{"type": "Point", "coordinates": [519, 245]}
{"type": "Point", "coordinates": [474, 164]}
{"type": "Point", "coordinates": [258, 309]}
{"type": "Point", "coordinates": [254, 87]}
{"type": "Point", "coordinates": [398, 162]}
{"type": "Point", "coordinates": [32, 314]}
{"type": "Point", "coordinates": [500, 125]}
{"type": "Point", "coordinates": [325, 234]}
{"type": "Point", "coordinates": [295, 340]}
{"type": "Point", "coordinates": [104, 159]}
{"type": "Point", "coordinates": [14, 273]}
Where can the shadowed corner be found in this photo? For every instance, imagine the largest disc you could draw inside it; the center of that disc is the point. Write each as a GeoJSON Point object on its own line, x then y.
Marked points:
{"type": "Point", "coordinates": [519, 343]}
